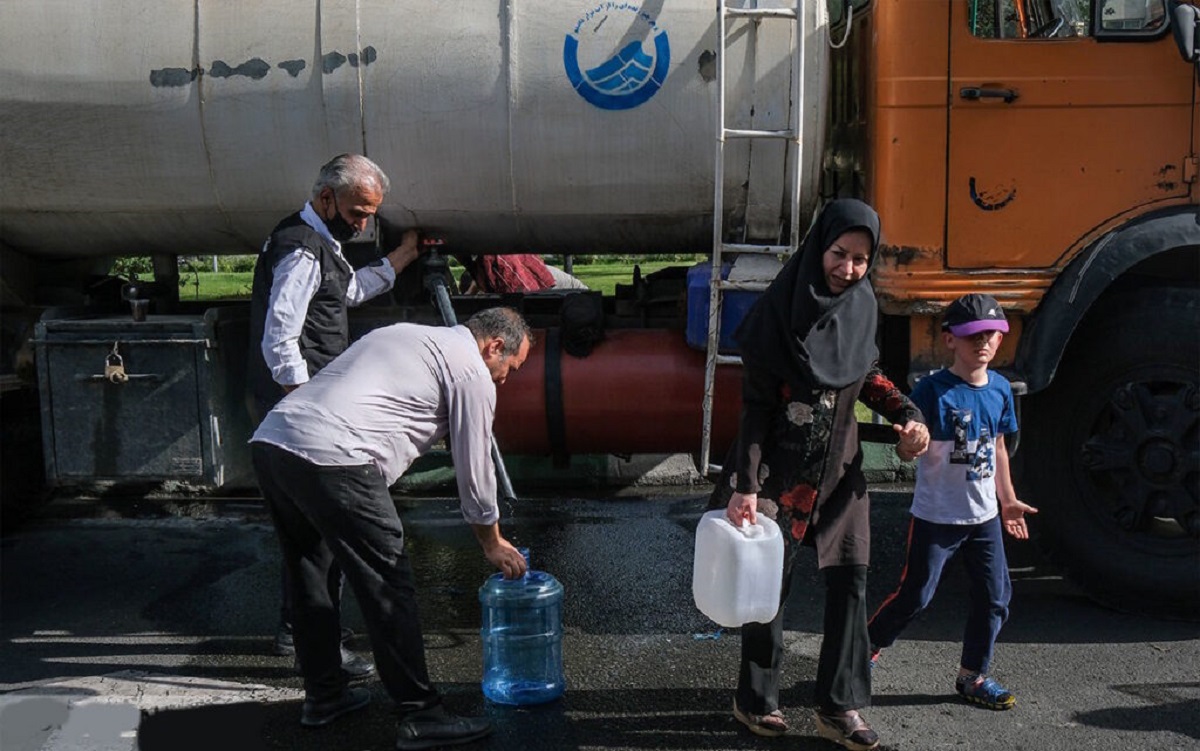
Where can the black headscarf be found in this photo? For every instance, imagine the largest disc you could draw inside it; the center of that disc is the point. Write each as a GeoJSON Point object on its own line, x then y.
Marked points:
{"type": "Point", "coordinates": [799, 330]}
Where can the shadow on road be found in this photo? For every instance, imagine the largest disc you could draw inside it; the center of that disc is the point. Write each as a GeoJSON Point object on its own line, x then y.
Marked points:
{"type": "Point", "coordinates": [664, 719]}
{"type": "Point", "coordinates": [1168, 706]}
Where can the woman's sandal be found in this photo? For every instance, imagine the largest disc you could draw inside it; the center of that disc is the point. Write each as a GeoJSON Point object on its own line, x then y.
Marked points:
{"type": "Point", "coordinates": [850, 730]}
{"type": "Point", "coordinates": [771, 725]}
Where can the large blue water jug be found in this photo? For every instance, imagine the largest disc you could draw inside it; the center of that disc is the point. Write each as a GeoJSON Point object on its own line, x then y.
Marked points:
{"type": "Point", "coordinates": [522, 638]}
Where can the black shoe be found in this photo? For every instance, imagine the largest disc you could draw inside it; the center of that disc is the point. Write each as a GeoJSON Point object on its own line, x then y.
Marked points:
{"type": "Point", "coordinates": [433, 727]}
{"type": "Point", "coordinates": [286, 647]}
{"type": "Point", "coordinates": [315, 714]}
{"type": "Point", "coordinates": [354, 668]}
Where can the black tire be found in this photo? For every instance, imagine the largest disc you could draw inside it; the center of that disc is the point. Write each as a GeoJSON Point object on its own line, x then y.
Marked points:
{"type": "Point", "coordinates": [1111, 454]}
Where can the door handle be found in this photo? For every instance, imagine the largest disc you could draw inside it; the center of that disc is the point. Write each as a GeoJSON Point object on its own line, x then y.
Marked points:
{"type": "Point", "coordinates": [975, 93]}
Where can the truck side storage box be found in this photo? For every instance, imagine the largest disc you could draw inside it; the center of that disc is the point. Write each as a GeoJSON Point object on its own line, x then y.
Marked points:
{"type": "Point", "coordinates": [142, 401]}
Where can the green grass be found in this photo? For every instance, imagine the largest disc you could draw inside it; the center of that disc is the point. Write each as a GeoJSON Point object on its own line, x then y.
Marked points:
{"type": "Point", "coordinates": [222, 285]}
{"type": "Point", "coordinates": [233, 285]}
{"type": "Point", "coordinates": [606, 276]}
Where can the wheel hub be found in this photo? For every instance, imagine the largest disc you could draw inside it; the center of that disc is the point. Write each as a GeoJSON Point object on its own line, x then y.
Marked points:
{"type": "Point", "coordinates": [1157, 460]}
{"type": "Point", "coordinates": [1144, 454]}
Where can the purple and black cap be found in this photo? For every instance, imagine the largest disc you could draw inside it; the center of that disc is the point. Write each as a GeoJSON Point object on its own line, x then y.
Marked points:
{"type": "Point", "coordinates": [973, 313]}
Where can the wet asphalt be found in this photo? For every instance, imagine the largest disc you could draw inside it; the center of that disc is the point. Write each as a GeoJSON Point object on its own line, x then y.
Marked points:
{"type": "Point", "coordinates": [94, 587]}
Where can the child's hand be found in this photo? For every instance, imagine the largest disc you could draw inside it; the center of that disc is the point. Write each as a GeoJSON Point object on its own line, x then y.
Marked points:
{"type": "Point", "coordinates": [914, 440]}
{"type": "Point", "coordinates": [1013, 514]}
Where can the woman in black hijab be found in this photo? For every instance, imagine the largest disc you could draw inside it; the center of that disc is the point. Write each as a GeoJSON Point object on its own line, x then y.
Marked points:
{"type": "Point", "coordinates": [808, 353]}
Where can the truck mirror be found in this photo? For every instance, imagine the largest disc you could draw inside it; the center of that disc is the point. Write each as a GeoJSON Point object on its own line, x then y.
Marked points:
{"type": "Point", "coordinates": [1185, 25]}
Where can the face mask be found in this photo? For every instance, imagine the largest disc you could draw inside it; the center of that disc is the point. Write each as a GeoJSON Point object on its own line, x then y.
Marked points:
{"type": "Point", "coordinates": [338, 227]}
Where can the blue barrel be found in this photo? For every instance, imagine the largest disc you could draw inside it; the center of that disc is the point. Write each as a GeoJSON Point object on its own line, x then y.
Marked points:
{"type": "Point", "coordinates": [734, 307]}
{"type": "Point", "coordinates": [522, 638]}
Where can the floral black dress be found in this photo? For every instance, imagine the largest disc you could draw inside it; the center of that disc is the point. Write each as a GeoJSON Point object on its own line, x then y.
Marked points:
{"type": "Point", "coordinates": [798, 449]}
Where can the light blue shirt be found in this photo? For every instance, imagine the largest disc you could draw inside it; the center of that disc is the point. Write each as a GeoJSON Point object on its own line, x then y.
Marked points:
{"type": "Point", "coordinates": [296, 279]}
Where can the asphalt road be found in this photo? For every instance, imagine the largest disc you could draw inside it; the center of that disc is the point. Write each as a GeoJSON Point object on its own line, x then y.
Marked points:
{"type": "Point", "coordinates": [122, 631]}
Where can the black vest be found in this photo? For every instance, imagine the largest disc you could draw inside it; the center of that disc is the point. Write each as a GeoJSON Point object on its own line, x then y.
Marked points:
{"type": "Point", "coordinates": [326, 332]}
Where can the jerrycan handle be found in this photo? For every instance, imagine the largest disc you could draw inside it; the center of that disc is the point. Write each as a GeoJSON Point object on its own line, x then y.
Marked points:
{"type": "Point", "coordinates": [750, 531]}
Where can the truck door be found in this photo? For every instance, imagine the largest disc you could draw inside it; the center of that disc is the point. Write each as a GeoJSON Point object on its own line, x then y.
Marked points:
{"type": "Point", "coordinates": [1057, 127]}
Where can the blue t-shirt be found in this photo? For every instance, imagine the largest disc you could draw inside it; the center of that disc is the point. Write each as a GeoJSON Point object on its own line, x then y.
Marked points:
{"type": "Point", "coordinates": [956, 478]}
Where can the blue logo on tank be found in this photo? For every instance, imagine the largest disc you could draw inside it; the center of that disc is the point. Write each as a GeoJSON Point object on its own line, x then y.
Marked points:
{"type": "Point", "coordinates": [623, 71]}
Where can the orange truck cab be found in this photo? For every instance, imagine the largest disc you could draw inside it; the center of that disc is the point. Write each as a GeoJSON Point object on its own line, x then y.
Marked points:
{"type": "Point", "coordinates": [1045, 152]}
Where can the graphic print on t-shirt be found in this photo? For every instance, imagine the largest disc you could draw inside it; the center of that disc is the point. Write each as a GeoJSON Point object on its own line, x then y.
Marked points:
{"type": "Point", "coordinates": [961, 419]}
{"type": "Point", "coordinates": [979, 455]}
{"type": "Point", "coordinates": [984, 464]}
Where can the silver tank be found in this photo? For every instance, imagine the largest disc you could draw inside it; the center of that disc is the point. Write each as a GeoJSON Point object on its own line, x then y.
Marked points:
{"type": "Point", "coordinates": [191, 126]}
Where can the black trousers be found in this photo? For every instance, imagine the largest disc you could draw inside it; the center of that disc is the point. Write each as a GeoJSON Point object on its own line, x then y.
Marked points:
{"type": "Point", "coordinates": [843, 669]}
{"type": "Point", "coordinates": [345, 514]}
{"type": "Point", "coordinates": [258, 408]}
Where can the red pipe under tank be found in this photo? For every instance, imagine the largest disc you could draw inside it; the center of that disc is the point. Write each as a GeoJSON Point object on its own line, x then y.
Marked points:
{"type": "Point", "coordinates": [639, 391]}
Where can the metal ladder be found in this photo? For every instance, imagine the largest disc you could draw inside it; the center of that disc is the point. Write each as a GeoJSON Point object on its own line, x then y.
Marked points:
{"type": "Point", "coordinates": [717, 285]}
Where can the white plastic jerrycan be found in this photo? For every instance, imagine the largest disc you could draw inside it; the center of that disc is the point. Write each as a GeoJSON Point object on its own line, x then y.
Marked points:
{"type": "Point", "coordinates": [737, 571]}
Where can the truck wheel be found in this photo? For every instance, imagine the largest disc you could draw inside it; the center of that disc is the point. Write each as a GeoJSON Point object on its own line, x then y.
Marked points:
{"type": "Point", "coordinates": [1111, 454]}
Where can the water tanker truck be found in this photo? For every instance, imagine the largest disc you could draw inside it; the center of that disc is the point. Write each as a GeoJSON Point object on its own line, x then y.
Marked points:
{"type": "Point", "coordinates": [1042, 151]}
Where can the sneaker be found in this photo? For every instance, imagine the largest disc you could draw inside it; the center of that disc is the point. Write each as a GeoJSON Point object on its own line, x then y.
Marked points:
{"type": "Point", "coordinates": [318, 713]}
{"type": "Point", "coordinates": [849, 730]}
{"type": "Point", "coordinates": [354, 668]}
{"type": "Point", "coordinates": [433, 727]}
{"type": "Point", "coordinates": [986, 693]}
{"type": "Point", "coordinates": [875, 652]}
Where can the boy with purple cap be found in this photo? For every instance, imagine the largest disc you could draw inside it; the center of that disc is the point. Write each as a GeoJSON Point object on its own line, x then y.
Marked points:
{"type": "Point", "coordinates": [963, 495]}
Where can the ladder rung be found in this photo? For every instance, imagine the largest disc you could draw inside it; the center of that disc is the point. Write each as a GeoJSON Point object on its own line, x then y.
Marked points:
{"type": "Point", "coordinates": [791, 135]}
{"type": "Point", "coordinates": [760, 12]}
{"type": "Point", "coordinates": [768, 250]}
{"type": "Point", "coordinates": [727, 285]}
{"type": "Point", "coordinates": [745, 133]}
